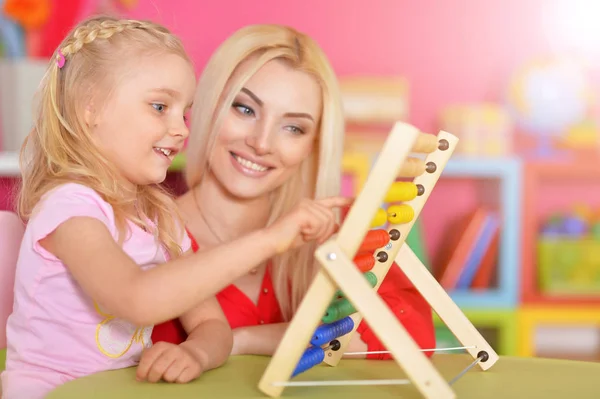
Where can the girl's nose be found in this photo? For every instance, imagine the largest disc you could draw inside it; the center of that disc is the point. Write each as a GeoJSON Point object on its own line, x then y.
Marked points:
{"type": "Point", "coordinates": [180, 130]}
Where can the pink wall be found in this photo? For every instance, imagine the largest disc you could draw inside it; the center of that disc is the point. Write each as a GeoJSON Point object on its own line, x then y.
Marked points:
{"type": "Point", "coordinates": [458, 50]}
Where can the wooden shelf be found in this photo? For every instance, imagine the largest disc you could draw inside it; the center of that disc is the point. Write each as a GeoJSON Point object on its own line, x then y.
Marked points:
{"type": "Point", "coordinates": [9, 164]}
{"type": "Point", "coordinates": [536, 175]}
{"type": "Point", "coordinates": [530, 317]}
{"type": "Point", "coordinates": [507, 171]}
{"type": "Point", "coordinates": [536, 298]}
{"type": "Point", "coordinates": [504, 321]}
{"type": "Point", "coordinates": [474, 167]}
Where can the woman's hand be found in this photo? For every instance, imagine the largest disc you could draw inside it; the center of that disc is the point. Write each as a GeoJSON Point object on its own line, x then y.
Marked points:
{"type": "Point", "coordinates": [239, 341]}
{"type": "Point", "coordinates": [258, 340]}
{"type": "Point", "coordinates": [169, 362]}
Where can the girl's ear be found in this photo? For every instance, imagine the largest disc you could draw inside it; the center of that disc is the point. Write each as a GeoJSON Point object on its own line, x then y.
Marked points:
{"type": "Point", "coordinates": [91, 111]}
{"type": "Point", "coordinates": [90, 114]}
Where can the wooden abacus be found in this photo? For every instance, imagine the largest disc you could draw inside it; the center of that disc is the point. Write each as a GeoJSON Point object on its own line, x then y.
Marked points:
{"type": "Point", "coordinates": [341, 295]}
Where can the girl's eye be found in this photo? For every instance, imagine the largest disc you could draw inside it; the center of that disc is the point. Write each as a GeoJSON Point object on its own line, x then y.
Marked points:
{"type": "Point", "coordinates": [159, 107]}
{"type": "Point", "coordinates": [243, 109]}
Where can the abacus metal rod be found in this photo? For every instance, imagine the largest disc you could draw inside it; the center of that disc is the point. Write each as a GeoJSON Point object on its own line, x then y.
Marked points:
{"type": "Point", "coordinates": [422, 350]}
{"type": "Point", "coordinates": [340, 383]}
{"type": "Point", "coordinates": [469, 367]}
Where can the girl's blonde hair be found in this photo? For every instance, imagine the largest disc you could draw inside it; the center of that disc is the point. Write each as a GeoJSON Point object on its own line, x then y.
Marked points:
{"type": "Point", "coordinates": [319, 175]}
{"type": "Point", "coordinates": [60, 148]}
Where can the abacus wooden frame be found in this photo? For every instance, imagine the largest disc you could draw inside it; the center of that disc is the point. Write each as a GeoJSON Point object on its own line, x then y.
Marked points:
{"type": "Point", "coordinates": [338, 271]}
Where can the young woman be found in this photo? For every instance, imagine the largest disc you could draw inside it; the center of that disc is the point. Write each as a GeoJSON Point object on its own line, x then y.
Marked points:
{"type": "Point", "coordinates": [266, 132]}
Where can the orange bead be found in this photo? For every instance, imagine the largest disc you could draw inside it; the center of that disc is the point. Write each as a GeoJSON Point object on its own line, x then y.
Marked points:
{"type": "Point", "coordinates": [373, 240]}
{"type": "Point", "coordinates": [364, 262]}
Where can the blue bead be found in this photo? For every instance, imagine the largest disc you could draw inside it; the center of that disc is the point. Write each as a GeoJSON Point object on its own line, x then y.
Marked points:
{"type": "Point", "coordinates": [311, 357]}
{"type": "Point", "coordinates": [328, 332]}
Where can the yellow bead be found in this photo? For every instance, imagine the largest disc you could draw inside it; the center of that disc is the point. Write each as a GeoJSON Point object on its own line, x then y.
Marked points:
{"type": "Point", "coordinates": [399, 214]}
{"type": "Point", "coordinates": [380, 218]}
{"type": "Point", "coordinates": [401, 191]}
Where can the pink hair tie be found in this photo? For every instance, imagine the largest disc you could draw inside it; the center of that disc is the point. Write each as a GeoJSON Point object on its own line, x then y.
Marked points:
{"type": "Point", "coordinates": [60, 61]}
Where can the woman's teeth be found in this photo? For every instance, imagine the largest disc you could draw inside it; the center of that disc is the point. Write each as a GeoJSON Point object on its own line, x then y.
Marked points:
{"type": "Point", "coordinates": [249, 165]}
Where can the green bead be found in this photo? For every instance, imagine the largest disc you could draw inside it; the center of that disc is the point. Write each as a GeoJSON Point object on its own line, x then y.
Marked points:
{"type": "Point", "coordinates": [338, 310]}
{"type": "Point", "coordinates": [371, 278]}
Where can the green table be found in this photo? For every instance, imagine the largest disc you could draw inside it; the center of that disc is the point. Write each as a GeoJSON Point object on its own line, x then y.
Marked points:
{"type": "Point", "coordinates": [510, 378]}
{"type": "Point", "coordinates": [2, 358]}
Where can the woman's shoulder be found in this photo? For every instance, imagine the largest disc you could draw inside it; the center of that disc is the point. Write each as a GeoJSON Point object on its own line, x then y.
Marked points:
{"type": "Point", "coordinates": [186, 205]}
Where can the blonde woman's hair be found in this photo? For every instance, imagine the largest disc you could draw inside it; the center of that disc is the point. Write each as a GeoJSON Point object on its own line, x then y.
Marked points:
{"type": "Point", "coordinates": [319, 175]}
{"type": "Point", "coordinates": [60, 148]}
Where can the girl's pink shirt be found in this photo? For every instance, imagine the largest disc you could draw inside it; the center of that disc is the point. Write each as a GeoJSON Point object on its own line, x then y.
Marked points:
{"type": "Point", "coordinates": [56, 332]}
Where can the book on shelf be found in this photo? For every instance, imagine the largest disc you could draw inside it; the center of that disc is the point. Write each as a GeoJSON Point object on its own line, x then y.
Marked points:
{"type": "Point", "coordinates": [469, 255]}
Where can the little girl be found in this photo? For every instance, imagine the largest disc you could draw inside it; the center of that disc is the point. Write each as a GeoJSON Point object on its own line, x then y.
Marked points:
{"type": "Point", "coordinates": [87, 292]}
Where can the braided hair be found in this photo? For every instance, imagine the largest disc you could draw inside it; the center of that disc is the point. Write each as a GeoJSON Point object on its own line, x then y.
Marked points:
{"type": "Point", "coordinates": [105, 28]}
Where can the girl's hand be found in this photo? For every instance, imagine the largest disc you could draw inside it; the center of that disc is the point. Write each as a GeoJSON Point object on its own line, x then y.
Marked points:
{"type": "Point", "coordinates": [169, 362]}
{"type": "Point", "coordinates": [309, 221]}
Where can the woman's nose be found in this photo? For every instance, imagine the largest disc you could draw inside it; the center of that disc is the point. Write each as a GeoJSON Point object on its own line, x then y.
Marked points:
{"type": "Point", "coordinates": [260, 141]}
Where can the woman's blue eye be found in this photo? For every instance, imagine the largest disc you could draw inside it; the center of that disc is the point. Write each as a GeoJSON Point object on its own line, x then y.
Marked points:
{"type": "Point", "coordinates": [243, 109]}
{"type": "Point", "coordinates": [295, 130]}
{"type": "Point", "coordinates": [159, 107]}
